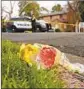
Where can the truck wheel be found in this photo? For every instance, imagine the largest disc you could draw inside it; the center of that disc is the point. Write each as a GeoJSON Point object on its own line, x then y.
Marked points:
{"type": "Point", "coordinates": [13, 28]}
{"type": "Point", "coordinates": [40, 29]}
{"type": "Point", "coordinates": [37, 29]}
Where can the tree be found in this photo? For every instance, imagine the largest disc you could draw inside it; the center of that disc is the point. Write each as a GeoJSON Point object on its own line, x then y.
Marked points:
{"type": "Point", "coordinates": [81, 10]}
{"type": "Point", "coordinates": [3, 25]}
{"type": "Point", "coordinates": [73, 14]}
{"type": "Point", "coordinates": [56, 8]}
{"type": "Point", "coordinates": [22, 5]}
{"type": "Point", "coordinates": [44, 9]}
{"type": "Point", "coordinates": [3, 9]}
{"type": "Point", "coordinates": [28, 7]}
{"type": "Point", "coordinates": [73, 9]}
{"type": "Point", "coordinates": [31, 6]}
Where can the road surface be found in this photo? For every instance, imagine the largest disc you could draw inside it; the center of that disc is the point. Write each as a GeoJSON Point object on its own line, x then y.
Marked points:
{"type": "Point", "coordinates": [70, 39]}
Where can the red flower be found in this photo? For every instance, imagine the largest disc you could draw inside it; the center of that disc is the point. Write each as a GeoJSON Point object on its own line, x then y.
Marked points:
{"type": "Point", "coordinates": [47, 56]}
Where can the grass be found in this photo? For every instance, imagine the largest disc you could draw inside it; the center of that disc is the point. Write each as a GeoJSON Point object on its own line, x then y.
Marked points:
{"type": "Point", "coordinates": [16, 73]}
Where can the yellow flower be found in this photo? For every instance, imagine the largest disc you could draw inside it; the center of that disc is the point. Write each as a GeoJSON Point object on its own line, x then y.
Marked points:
{"type": "Point", "coordinates": [27, 53]}
{"type": "Point", "coordinates": [22, 47]}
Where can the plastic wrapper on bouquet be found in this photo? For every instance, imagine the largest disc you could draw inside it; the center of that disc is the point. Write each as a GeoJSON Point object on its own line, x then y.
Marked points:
{"type": "Point", "coordinates": [45, 57]}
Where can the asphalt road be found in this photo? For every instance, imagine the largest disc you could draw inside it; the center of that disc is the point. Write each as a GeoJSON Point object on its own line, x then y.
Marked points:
{"type": "Point", "coordinates": [62, 39]}
{"type": "Point", "coordinates": [67, 42]}
{"type": "Point", "coordinates": [70, 43]}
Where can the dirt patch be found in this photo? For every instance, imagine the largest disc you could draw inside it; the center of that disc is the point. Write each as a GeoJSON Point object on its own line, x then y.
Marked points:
{"type": "Point", "coordinates": [72, 80]}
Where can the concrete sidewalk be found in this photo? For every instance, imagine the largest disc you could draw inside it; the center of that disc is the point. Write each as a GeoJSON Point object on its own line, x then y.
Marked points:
{"type": "Point", "coordinates": [75, 59]}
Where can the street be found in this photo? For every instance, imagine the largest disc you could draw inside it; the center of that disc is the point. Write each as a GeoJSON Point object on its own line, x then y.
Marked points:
{"type": "Point", "coordinates": [68, 42]}
{"type": "Point", "coordinates": [57, 39]}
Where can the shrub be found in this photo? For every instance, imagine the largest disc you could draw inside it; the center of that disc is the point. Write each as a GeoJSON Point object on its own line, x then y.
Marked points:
{"type": "Point", "coordinates": [57, 30]}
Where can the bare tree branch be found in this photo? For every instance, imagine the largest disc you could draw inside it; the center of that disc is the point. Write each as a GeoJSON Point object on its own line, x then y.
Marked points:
{"type": "Point", "coordinates": [11, 9]}
{"type": "Point", "coordinates": [5, 11]}
{"type": "Point", "coordinates": [74, 6]}
{"type": "Point", "coordinates": [13, 4]}
{"type": "Point", "coordinates": [70, 6]}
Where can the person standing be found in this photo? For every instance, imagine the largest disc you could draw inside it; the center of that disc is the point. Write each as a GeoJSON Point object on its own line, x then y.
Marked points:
{"type": "Point", "coordinates": [33, 23]}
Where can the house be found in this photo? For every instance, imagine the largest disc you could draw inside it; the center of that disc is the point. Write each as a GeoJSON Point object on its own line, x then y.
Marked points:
{"type": "Point", "coordinates": [65, 20]}
{"type": "Point", "coordinates": [56, 18]}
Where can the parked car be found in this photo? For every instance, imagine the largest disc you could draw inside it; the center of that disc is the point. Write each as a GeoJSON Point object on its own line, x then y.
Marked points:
{"type": "Point", "coordinates": [21, 24]}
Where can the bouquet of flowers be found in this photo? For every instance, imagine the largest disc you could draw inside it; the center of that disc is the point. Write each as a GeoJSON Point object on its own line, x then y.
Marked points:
{"type": "Point", "coordinates": [46, 56]}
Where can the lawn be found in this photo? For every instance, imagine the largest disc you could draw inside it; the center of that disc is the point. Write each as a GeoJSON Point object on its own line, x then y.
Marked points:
{"type": "Point", "coordinates": [17, 74]}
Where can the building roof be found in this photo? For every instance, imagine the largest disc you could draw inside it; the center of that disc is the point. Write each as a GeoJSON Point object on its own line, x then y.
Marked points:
{"type": "Point", "coordinates": [54, 13]}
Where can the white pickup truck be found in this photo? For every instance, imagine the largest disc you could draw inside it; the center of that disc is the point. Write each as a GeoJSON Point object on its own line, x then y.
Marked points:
{"type": "Point", "coordinates": [21, 24]}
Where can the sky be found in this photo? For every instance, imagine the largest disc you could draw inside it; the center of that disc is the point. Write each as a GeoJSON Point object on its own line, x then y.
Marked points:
{"type": "Point", "coordinates": [49, 4]}
{"type": "Point", "coordinates": [46, 4]}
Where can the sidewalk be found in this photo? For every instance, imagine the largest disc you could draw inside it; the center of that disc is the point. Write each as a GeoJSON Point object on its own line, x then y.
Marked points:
{"type": "Point", "coordinates": [75, 59]}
